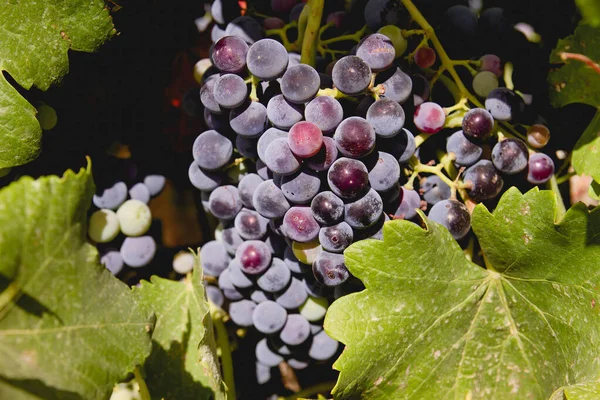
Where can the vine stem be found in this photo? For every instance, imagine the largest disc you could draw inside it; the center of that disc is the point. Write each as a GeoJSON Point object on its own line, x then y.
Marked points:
{"type": "Point", "coordinates": [310, 38]}
{"type": "Point", "coordinates": [217, 316]}
{"type": "Point", "coordinates": [144, 392]}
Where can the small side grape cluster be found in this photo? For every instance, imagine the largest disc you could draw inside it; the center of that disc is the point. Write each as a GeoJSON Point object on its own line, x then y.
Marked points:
{"type": "Point", "coordinates": [121, 220]}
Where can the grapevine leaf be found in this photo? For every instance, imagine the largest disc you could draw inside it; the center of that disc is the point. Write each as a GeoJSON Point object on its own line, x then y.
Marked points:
{"type": "Point", "coordinates": [584, 391]}
{"type": "Point", "coordinates": [183, 363]}
{"type": "Point", "coordinates": [590, 9]}
{"type": "Point", "coordinates": [586, 153]}
{"type": "Point", "coordinates": [575, 81]}
{"type": "Point", "coordinates": [432, 324]}
{"type": "Point", "coordinates": [68, 328]}
{"type": "Point", "coordinates": [35, 39]}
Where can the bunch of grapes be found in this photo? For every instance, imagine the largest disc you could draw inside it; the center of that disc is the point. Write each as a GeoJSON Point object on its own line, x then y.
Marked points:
{"type": "Point", "coordinates": [121, 219]}
{"type": "Point", "coordinates": [298, 162]}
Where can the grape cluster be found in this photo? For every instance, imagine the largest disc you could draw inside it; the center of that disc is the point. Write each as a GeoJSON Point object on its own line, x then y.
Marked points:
{"type": "Point", "coordinates": [298, 162]}
{"type": "Point", "coordinates": [120, 222]}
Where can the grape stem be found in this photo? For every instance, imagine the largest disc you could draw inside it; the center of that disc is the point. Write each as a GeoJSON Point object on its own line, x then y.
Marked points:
{"type": "Point", "coordinates": [460, 105]}
{"type": "Point", "coordinates": [218, 315]}
{"type": "Point", "coordinates": [282, 33]}
{"type": "Point", "coordinates": [406, 33]}
{"type": "Point", "coordinates": [254, 82]}
{"type": "Point", "coordinates": [310, 37]}
{"type": "Point", "coordinates": [562, 179]}
{"type": "Point", "coordinates": [144, 393]}
{"type": "Point", "coordinates": [322, 44]}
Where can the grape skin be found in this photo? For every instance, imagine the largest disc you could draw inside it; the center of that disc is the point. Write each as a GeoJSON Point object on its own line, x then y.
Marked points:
{"type": "Point", "coordinates": [305, 139]}
{"type": "Point", "coordinates": [250, 224]}
{"type": "Point", "coordinates": [327, 208]}
{"type": "Point", "coordinates": [398, 87]}
{"type": "Point", "coordinates": [325, 112]}
{"type": "Point", "coordinates": [269, 317]}
{"type": "Point", "coordinates": [230, 91]}
{"type": "Point", "coordinates": [377, 51]}
{"type": "Point", "coordinates": [351, 75]}
{"type": "Point", "coordinates": [267, 59]}
{"type": "Point", "coordinates": [299, 224]}
{"type": "Point", "coordinates": [203, 180]}
{"type": "Point", "coordinates": [207, 97]}
{"type": "Point", "coordinates": [254, 257]}
{"type": "Point", "coordinates": [365, 211]}
{"type": "Point", "coordinates": [138, 251]}
{"type": "Point", "coordinates": [224, 202]}
{"type": "Point", "coordinates": [429, 117]}
{"type": "Point", "coordinates": [410, 201]}
{"type": "Point", "coordinates": [336, 238]}
{"type": "Point", "coordinates": [246, 188]}
{"type": "Point", "coordinates": [465, 152]}
{"type": "Point", "coordinates": [329, 269]}
{"type": "Point", "coordinates": [212, 150]}
{"type": "Point", "coordinates": [269, 200]}
{"type": "Point", "coordinates": [477, 124]}
{"type": "Point", "coordinates": [266, 138]}
{"type": "Point", "coordinates": [111, 197]}
{"type": "Point", "coordinates": [386, 117]}
{"type": "Point", "coordinates": [355, 137]}
{"type": "Point", "coordinates": [282, 113]}
{"type": "Point", "coordinates": [384, 175]}
{"type": "Point", "coordinates": [323, 160]}
{"type": "Point", "coordinates": [485, 180]}
{"type": "Point", "coordinates": [280, 159]}
{"type": "Point", "coordinates": [276, 278]}
{"type": "Point", "coordinates": [214, 258]}
{"type": "Point", "coordinates": [300, 83]}
{"type": "Point", "coordinates": [249, 120]}
{"type": "Point", "coordinates": [301, 187]}
{"type": "Point", "coordinates": [348, 178]}
{"type": "Point", "coordinates": [435, 190]}
{"type": "Point", "coordinates": [425, 57]}
{"type": "Point", "coordinates": [453, 215]}
{"type": "Point", "coordinates": [541, 168]}
{"type": "Point", "coordinates": [510, 156]}
{"type": "Point", "coordinates": [229, 54]}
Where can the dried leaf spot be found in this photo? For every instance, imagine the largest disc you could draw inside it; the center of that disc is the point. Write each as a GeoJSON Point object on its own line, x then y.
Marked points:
{"type": "Point", "coordinates": [526, 209]}
{"type": "Point", "coordinates": [29, 358]}
{"type": "Point", "coordinates": [378, 381]}
{"type": "Point", "coordinates": [593, 303]}
{"type": "Point", "coordinates": [526, 239]}
{"type": "Point", "coordinates": [437, 354]}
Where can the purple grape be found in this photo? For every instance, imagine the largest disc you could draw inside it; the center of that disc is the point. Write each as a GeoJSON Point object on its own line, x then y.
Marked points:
{"type": "Point", "coordinates": [282, 113]}
{"type": "Point", "coordinates": [485, 180]}
{"type": "Point", "coordinates": [327, 208]}
{"type": "Point", "coordinates": [269, 317]}
{"type": "Point", "coordinates": [254, 257]}
{"type": "Point", "coordinates": [224, 202]}
{"type": "Point", "coordinates": [204, 180]}
{"type": "Point", "coordinates": [138, 251]}
{"type": "Point", "coordinates": [212, 150]}
{"type": "Point", "coordinates": [377, 51]}
{"type": "Point", "coordinates": [241, 312]}
{"type": "Point", "coordinates": [397, 87]}
{"type": "Point", "coordinates": [305, 139]}
{"type": "Point", "coordinates": [351, 75]}
{"type": "Point", "coordinates": [229, 54]}
{"type": "Point", "coordinates": [510, 156]}
{"type": "Point", "coordinates": [214, 258]}
{"type": "Point", "coordinates": [325, 112]}
{"type": "Point", "coordinates": [294, 296]}
{"type": "Point", "coordinates": [410, 201]}
{"type": "Point", "coordinates": [477, 124]}
{"type": "Point", "coordinates": [323, 160]}
{"type": "Point", "coordinates": [299, 224]}
{"type": "Point", "coordinates": [300, 83]}
{"type": "Point", "coordinates": [354, 137]}
{"type": "Point", "coordinates": [365, 211]}
{"type": "Point", "coordinates": [249, 120]}
{"type": "Point", "coordinates": [336, 238]}
{"type": "Point", "coordinates": [266, 138]}
{"type": "Point", "coordinates": [276, 278]}
{"type": "Point", "coordinates": [348, 178]}
{"type": "Point", "coordinates": [385, 172]}
{"type": "Point", "coordinates": [465, 152]}
{"type": "Point", "coordinates": [296, 330]}
{"type": "Point", "coordinates": [267, 59]}
{"type": "Point", "coordinates": [541, 168]}
{"type": "Point", "coordinates": [230, 91]}
{"type": "Point", "coordinates": [246, 188]}
{"type": "Point", "coordinates": [453, 215]}
{"type": "Point", "coordinates": [269, 200]}
{"type": "Point", "coordinates": [386, 117]}
{"type": "Point", "coordinates": [280, 159]}
{"type": "Point", "coordinates": [329, 269]}
{"type": "Point", "coordinates": [250, 225]}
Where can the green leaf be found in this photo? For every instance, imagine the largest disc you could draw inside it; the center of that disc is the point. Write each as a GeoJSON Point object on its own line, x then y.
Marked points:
{"type": "Point", "coordinates": [35, 39]}
{"type": "Point", "coordinates": [183, 363]}
{"type": "Point", "coordinates": [590, 10]}
{"type": "Point", "coordinates": [432, 324]}
{"type": "Point", "coordinates": [586, 153]}
{"type": "Point", "coordinates": [575, 81]}
{"type": "Point", "coordinates": [68, 328]}
{"type": "Point", "coordinates": [594, 190]}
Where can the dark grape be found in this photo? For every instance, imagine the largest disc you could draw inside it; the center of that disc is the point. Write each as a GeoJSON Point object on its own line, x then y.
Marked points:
{"type": "Point", "coordinates": [365, 211]}
{"type": "Point", "coordinates": [477, 124]}
{"type": "Point", "coordinates": [246, 188]}
{"type": "Point", "coordinates": [434, 189]}
{"type": "Point", "coordinates": [250, 224]}
{"type": "Point", "coordinates": [241, 312]}
{"type": "Point", "coordinates": [113, 261]}
{"type": "Point", "coordinates": [266, 138]}
{"type": "Point", "coordinates": [224, 202]}
{"type": "Point", "coordinates": [111, 197]}
{"type": "Point", "coordinates": [215, 295]}
{"type": "Point", "coordinates": [231, 239]}
{"type": "Point", "coordinates": [322, 347]}
{"type": "Point", "coordinates": [327, 208]}
{"type": "Point", "coordinates": [398, 87]}
{"type": "Point", "coordinates": [212, 150]}
{"type": "Point", "coordinates": [276, 278]}
{"type": "Point", "coordinates": [348, 178]}
{"type": "Point", "coordinates": [351, 75]}
{"type": "Point", "coordinates": [265, 355]}
{"type": "Point", "coordinates": [249, 120]}
{"type": "Point", "coordinates": [238, 278]}
{"type": "Point", "coordinates": [385, 172]}
{"type": "Point", "coordinates": [329, 269]}
{"type": "Point", "coordinates": [207, 96]}
{"type": "Point", "coordinates": [327, 154]}
{"type": "Point", "coordinates": [300, 83]}
{"type": "Point", "coordinates": [138, 251]}
{"type": "Point", "coordinates": [485, 180]}
{"type": "Point", "coordinates": [453, 215]}
{"type": "Point", "coordinates": [229, 291]}
{"type": "Point", "coordinates": [386, 117]}
{"type": "Point", "coordinates": [538, 136]}
{"type": "Point", "coordinates": [510, 156]}
{"type": "Point", "coordinates": [425, 57]}
{"type": "Point", "coordinates": [504, 104]}
{"type": "Point", "coordinates": [269, 200]}
{"type": "Point", "coordinates": [280, 159]}
{"type": "Point", "coordinates": [410, 201]}
{"type": "Point", "coordinates": [296, 330]}
{"type": "Point", "coordinates": [465, 152]}
{"type": "Point", "coordinates": [336, 238]}
{"type": "Point", "coordinates": [230, 91]}
{"type": "Point", "coordinates": [245, 27]}
{"type": "Point", "coordinates": [301, 187]}
{"type": "Point", "coordinates": [292, 262]}
{"type": "Point", "coordinates": [294, 296]}
{"type": "Point", "coordinates": [204, 180]}
{"type": "Point", "coordinates": [155, 184]}
{"type": "Point", "coordinates": [354, 137]}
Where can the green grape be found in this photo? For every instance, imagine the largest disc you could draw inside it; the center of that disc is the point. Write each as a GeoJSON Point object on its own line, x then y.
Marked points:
{"type": "Point", "coordinates": [103, 226]}
{"type": "Point", "coordinates": [395, 35]}
{"type": "Point", "coordinates": [134, 217]}
{"type": "Point", "coordinates": [307, 252]}
{"type": "Point", "coordinates": [46, 116]}
{"type": "Point", "coordinates": [314, 308]}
